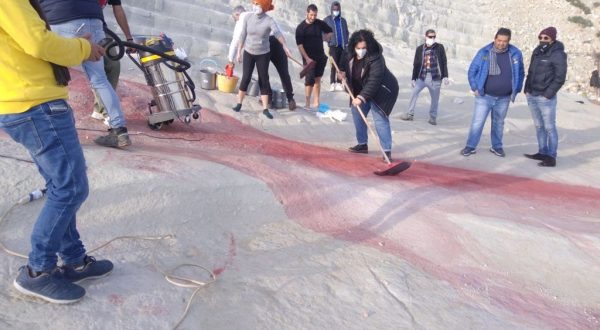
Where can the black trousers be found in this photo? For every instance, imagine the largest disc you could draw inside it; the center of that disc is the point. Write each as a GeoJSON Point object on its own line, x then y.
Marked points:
{"type": "Point", "coordinates": [262, 66]}
{"type": "Point", "coordinates": [280, 61]}
{"type": "Point", "coordinates": [337, 53]}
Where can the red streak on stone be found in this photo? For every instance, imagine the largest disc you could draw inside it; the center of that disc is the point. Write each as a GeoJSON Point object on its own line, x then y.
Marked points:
{"type": "Point", "coordinates": [312, 183]}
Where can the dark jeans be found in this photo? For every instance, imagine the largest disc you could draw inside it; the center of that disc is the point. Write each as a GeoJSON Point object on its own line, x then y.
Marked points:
{"type": "Point", "coordinates": [262, 66]}
{"type": "Point", "coordinates": [48, 132]}
{"type": "Point", "coordinates": [337, 53]}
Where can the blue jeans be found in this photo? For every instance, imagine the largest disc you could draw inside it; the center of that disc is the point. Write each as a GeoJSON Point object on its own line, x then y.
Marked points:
{"type": "Point", "coordinates": [483, 105]}
{"type": "Point", "coordinates": [95, 70]}
{"type": "Point", "coordinates": [434, 90]}
{"type": "Point", "coordinates": [48, 132]}
{"type": "Point", "coordinates": [382, 125]}
{"type": "Point", "coordinates": [543, 112]}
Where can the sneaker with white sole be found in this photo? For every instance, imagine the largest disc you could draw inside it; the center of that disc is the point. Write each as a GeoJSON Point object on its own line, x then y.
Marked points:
{"type": "Point", "coordinates": [332, 87]}
{"type": "Point", "coordinates": [407, 116]}
{"type": "Point", "coordinates": [467, 151]}
{"type": "Point", "coordinates": [97, 115]}
{"type": "Point", "coordinates": [498, 152]}
{"type": "Point", "coordinates": [49, 286]}
{"type": "Point", "coordinates": [339, 87]}
{"type": "Point", "coordinates": [89, 269]}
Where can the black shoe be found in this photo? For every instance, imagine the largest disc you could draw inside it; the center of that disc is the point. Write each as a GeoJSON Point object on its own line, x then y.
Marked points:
{"type": "Point", "coordinates": [548, 162]}
{"type": "Point", "coordinates": [90, 268]}
{"type": "Point", "coordinates": [359, 149]}
{"type": "Point", "coordinates": [537, 156]}
{"type": "Point", "coordinates": [237, 107]}
{"type": "Point", "coordinates": [267, 114]}
{"type": "Point", "coordinates": [292, 104]}
{"type": "Point", "coordinates": [389, 156]}
{"type": "Point", "coordinates": [116, 138]}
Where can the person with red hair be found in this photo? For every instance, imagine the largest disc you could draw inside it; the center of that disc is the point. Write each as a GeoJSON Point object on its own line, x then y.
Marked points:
{"type": "Point", "coordinates": [254, 42]}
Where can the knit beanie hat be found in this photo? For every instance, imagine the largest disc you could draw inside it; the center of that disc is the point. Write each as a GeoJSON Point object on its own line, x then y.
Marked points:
{"type": "Point", "coordinates": [550, 32]}
{"type": "Point", "coordinates": [266, 5]}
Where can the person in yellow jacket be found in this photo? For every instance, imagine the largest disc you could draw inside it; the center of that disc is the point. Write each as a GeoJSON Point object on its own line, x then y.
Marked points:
{"type": "Point", "coordinates": [34, 113]}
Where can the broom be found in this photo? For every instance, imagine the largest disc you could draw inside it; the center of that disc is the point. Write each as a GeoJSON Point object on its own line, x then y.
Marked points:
{"type": "Point", "coordinates": [305, 68]}
{"type": "Point", "coordinates": [392, 169]}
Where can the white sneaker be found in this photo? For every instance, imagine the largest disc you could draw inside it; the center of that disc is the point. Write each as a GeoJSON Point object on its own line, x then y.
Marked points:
{"type": "Point", "coordinates": [339, 87]}
{"type": "Point", "coordinates": [106, 121]}
{"type": "Point", "coordinates": [97, 115]}
{"type": "Point", "coordinates": [332, 88]}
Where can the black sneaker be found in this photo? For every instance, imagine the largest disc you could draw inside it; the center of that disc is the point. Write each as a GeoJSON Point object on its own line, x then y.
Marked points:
{"type": "Point", "coordinates": [389, 156]}
{"type": "Point", "coordinates": [468, 151]}
{"type": "Point", "coordinates": [498, 152]}
{"type": "Point", "coordinates": [267, 114]}
{"type": "Point", "coordinates": [292, 104]}
{"type": "Point", "coordinates": [548, 162]}
{"type": "Point", "coordinates": [51, 286]}
{"type": "Point", "coordinates": [89, 269]}
{"type": "Point", "coordinates": [359, 149]}
{"type": "Point", "coordinates": [237, 107]}
{"type": "Point", "coordinates": [536, 156]}
{"type": "Point", "coordinates": [116, 138]}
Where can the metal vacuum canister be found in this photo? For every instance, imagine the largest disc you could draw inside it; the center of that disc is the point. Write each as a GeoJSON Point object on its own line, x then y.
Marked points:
{"type": "Point", "coordinates": [168, 85]}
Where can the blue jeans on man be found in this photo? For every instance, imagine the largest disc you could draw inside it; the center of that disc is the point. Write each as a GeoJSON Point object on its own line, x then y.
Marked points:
{"type": "Point", "coordinates": [95, 70]}
{"type": "Point", "coordinates": [543, 112]}
{"type": "Point", "coordinates": [382, 125]}
{"type": "Point", "coordinates": [434, 87]}
{"type": "Point", "coordinates": [498, 106]}
{"type": "Point", "coordinates": [48, 132]}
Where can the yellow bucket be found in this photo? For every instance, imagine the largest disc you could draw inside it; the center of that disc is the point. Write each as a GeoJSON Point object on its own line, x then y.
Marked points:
{"type": "Point", "coordinates": [226, 84]}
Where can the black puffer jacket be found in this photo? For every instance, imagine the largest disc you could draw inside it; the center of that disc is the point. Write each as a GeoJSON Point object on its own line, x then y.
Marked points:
{"type": "Point", "coordinates": [547, 70]}
{"type": "Point", "coordinates": [379, 84]}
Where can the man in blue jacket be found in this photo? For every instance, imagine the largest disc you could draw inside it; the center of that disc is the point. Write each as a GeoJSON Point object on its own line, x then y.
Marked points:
{"type": "Point", "coordinates": [496, 76]}
{"type": "Point", "coordinates": [338, 42]}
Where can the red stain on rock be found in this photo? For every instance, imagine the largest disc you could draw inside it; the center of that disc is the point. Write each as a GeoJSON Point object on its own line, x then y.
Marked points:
{"type": "Point", "coordinates": [315, 185]}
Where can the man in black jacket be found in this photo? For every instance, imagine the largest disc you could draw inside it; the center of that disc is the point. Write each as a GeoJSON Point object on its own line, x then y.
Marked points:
{"type": "Point", "coordinates": [430, 69]}
{"type": "Point", "coordinates": [546, 75]}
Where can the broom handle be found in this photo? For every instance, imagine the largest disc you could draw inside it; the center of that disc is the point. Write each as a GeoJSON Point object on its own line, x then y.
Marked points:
{"type": "Point", "coordinates": [295, 60]}
{"type": "Point", "coordinates": [387, 160]}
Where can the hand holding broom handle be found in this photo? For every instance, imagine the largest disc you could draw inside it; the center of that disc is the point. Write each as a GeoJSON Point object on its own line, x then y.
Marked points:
{"type": "Point", "coordinates": [387, 160]}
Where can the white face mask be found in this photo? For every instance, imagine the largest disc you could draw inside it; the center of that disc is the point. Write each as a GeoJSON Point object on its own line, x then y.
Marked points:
{"type": "Point", "coordinates": [360, 53]}
{"type": "Point", "coordinates": [429, 41]}
{"type": "Point", "coordinates": [257, 9]}
{"type": "Point", "coordinates": [336, 13]}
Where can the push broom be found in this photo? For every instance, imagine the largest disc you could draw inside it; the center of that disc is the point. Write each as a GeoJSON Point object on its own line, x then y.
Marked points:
{"type": "Point", "coordinates": [392, 169]}
{"type": "Point", "coordinates": [305, 68]}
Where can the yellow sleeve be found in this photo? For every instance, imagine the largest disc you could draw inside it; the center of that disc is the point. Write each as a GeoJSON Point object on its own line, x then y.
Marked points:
{"type": "Point", "coordinates": [23, 24]}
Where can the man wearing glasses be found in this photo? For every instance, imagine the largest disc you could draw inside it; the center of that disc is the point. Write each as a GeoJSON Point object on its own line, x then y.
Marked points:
{"type": "Point", "coordinates": [546, 75]}
{"type": "Point", "coordinates": [430, 68]}
{"type": "Point", "coordinates": [496, 76]}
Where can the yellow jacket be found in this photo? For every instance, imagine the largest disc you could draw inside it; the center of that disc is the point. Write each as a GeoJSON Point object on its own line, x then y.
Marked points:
{"type": "Point", "coordinates": [26, 48]}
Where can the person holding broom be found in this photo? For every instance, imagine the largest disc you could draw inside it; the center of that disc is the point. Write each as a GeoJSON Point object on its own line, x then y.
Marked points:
{"type": "Point", "coordinates": [373, 89]}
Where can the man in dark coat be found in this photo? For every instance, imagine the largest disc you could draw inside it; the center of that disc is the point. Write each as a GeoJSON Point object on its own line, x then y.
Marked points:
{"type": "Point", "coordinates": [546, 75]}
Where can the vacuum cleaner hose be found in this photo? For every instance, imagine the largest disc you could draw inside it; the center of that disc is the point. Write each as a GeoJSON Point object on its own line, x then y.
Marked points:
{"type": "Point", "coordinates": [115, 41]}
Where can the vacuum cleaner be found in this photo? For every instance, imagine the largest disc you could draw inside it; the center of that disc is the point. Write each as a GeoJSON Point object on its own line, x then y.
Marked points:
{"type": "Point", "coordinates": [172, 88]}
